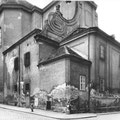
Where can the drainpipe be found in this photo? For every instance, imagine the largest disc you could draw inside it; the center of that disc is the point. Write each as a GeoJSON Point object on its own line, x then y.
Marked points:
{"type": "Point", "coordinates": [19, 74]}
{"type": "Point", "coordinates": [89, 88]}
{"type": "Point", "coordinates": [3, 77]}
{"type": "Point", "coordinates": [89, 76]}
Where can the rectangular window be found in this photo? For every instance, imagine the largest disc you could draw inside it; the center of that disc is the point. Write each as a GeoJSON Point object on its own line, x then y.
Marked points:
{"type": "Point", "coordinates": [16, 64]}
{"type": "Point", "coordinates": [102, 85]}
{"type": "Point", "coordinates": [82, 82]}
{"type": "Point", "coordinates": [119, 61]}
{"type": "Point", "coordinates": [0, 37]}
{"type": "Point", "coordinates": [15, 88]}
{"type": "Point", "coordinates": [27, 59]}
{"type": "Point", "coordinates": [102, 52]}
{"type": "Point", "coordinates": [27, 87]}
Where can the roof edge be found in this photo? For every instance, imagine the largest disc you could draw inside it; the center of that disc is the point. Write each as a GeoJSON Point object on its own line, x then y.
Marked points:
{"type": "Point", "coordinates": [90, 31]}
{"type": "Point", "coordinates": [41, 37]}
{"type": "Point", "coordinates": [52, 3]}
{"type": "Point", "coordinates": [93, 4]}
{"type": "Point", "coordinates": [35, 8]}
{"type": "Point", "coordinates": [20, 6]}
{"type": "Point", "coordinates": [56, 1]}
{"type": "Point", "coordinates": [21, 40]}
{"type": "Point", "coordinates": [64, 56]}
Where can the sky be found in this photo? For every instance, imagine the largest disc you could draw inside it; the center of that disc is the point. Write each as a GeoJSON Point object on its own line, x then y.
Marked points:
{"type": "Point", "coordinates": [108, 15]}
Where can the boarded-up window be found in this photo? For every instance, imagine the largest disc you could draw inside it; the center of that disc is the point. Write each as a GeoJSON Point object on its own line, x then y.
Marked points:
{"type": "Point", "coordinates": [27, 59]}
{"type": "Point", "coordinates": [16, 64]}
{"type": "Point", "coordinates": [82, 82]}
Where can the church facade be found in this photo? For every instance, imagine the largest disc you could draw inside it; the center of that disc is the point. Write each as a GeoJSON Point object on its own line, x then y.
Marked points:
{"type": "Point", "coordinates": [60, 59]}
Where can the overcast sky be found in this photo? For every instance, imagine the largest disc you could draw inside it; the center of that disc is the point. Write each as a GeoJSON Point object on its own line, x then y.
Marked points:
{"type": "Point", "coordinates": [108, 14]}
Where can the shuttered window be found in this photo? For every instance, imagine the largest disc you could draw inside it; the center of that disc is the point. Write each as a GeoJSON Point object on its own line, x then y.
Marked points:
{"type": "Point", "coordinates": [27, 59]}
{"type": "Point", "coordinates": [16, 64]}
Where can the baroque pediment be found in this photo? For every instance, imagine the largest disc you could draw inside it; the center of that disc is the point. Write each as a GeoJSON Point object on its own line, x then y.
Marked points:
{"type": "Point", "coordinates": [58, 26]}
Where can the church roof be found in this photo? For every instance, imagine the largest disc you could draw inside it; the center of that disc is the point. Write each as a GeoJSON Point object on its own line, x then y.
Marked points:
{"type": "Point", "coordinates": [80, 32]}
{"type": "Point", "coordinates": [42, 37]}
{"type": "Point", "coordinates": [16, 4]}
{"type": "Point", "coordinates": [38, 37]}
{"type": "Point", "coordinates": [29, 7]}
{"type": "Point", "coordinates": [63, 52]}
{"type": "Point", "coordinates": [35, 31]}
{"type": "Point", "coordinates": [19, 2]}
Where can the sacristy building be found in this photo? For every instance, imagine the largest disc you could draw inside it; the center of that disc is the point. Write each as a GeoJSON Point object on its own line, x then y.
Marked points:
{"type": "Point", "coordinates": [55, 54]}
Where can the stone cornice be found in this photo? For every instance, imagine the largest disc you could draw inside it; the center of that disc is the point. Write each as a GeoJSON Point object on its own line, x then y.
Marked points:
{"type": "Point", "coordinates": [20, 6]}
{"type": "Point", "coordinates": [41, 37]}
{"type": "Point", "coordinates": [78, 33]}
{"type": "Point", "coordinates": [34, 8]}
{"type": "Point", "coordinates": [55, 2]}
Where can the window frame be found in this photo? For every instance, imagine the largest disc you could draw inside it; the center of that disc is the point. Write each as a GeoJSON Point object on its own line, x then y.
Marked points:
{"type": "Point", "coordinates": [27, 59]}
{"type": "Point", "coordinates": [16, 64]}
{"type": "Point", "coordinates": [0, 36]}
{"type": "Point", "coordinates": [102, 84]}
{"type": "Point", "coordinates": [27, 91]}
{"type": "Point", "coordinates": [27, 85]}
{"type": "Point", "coordinates": [102, 51]}
{"type": "Point", "coordinates": [15, 88]}
{"type": "Point", "coordinates": [82, 85]}
{"type": "Point", "coordinates": [119, 60]}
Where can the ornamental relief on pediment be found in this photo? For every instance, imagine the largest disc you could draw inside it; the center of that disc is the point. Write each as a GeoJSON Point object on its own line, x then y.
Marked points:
{"type": "Point", "coordinates": [60, 26]}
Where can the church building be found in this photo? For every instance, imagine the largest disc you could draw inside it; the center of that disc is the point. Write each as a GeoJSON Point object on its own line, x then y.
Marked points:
{"type": "Point", "coordinates": [57, 56]}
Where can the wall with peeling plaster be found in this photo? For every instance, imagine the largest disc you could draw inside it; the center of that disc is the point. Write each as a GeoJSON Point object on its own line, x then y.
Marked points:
{"type": "Point", "coordinates": [26, 74]}
{"type": "Point", "coordinates": [30, 74]}
{"type": "Point", "coordinates": [16, 23]}
{"type": "Point", "coordinates": [10, 76]}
